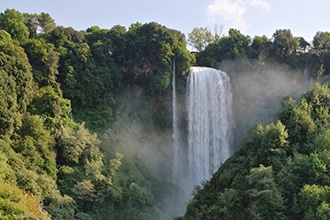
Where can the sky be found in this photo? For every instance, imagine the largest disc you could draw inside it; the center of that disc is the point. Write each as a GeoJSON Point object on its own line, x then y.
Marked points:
{"type": "Point", "coordinates": [251, 17]}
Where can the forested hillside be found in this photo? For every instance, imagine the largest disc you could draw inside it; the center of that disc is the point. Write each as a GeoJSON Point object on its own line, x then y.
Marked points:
{"type": "Point", "coordinates": [281, 169]}
{"type": "Point", "coordinates": [55, 83]}
{"type": "Point", "coordinates": [280, 172]}
{"type": "Point", "coordinates": [64, 93]}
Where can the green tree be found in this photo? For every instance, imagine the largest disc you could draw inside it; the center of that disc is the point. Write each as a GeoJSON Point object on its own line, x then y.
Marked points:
{"type": "Point", "coordinates": [260, 47]}
{"type": "Point", "coordinates": [267, 202]}
{"type": "Point", "coordinates": [11, 55]}
{"type": "Point", "coordinates": [149, 50]}
{"type": "Point", "coordinates": [117, 35]}
{"type": "Point", "coordinates": [303, 44]}
{"type": "Point", "coordinates": [73, 143]}
{"type": "Point", "coordinates": [226, 48]}
{"type": "Point", "coordinates": [16, 82]}
{"type": "Point", "coordinates": [46, 22]}
{"type": "Point", "coordinates": [8, 100]}
{"type": "Point", "coordinates": [321, 41]}
{"type": "Point", "coordinates": [87, 74]}
{"type": "Point", "coordinates": [12, 21]}
{"type": "Point", "coordinates": [315, 202]}
{"type": "Point", "coordinates": [300, 124]}
{"type": "Point", "coordinates": [31, 22]}
{"type": "Point", "coordinates": [199, 38]}
{"type": "Point", "coordinates": [85, 194]}
{"type": "Point", "coordinates": [39, 23]}
{"type": "Point", "coordinates": [45, 60]}
{"type": "Point", "coordinates": [36, 146]}
{"type": "Point", "coordinates": [7, 171]}
{"type": "Point", "coordinates": [17, 204]}
{"type": "Point", "coordinates": [284, 43]}
{"type": "Point", "coordinates": [51, 106]}
{"type": "Point", "coordinates": [60, 207]}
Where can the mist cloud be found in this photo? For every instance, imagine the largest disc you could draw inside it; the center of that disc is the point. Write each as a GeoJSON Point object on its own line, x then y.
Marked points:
{"type": "Point", "coordinates": [258, 91]}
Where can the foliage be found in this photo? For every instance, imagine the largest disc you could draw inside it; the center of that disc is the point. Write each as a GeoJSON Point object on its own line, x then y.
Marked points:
{"type": "Point", "coordinates": [226, 48]}
{"type": "Point", "coordinates": [47, 70]}
{"type": "Point", "coordinates": [260, 47]}
{"type": "Point", "coordinates": [280, 172]}
{"type": "Point", "coordinates": [283, 47]}
{"type": "Point", "coordinates": [8, 105]}
{"type": "Point", "coordinates": [12, 21]}
{"type": "Point", "coordinates": [56, 83]}
{"type": "Point", "coordinates": [51, 106]}
{"type": "Point", "coordinates": [45, 61]}
{"type": "Point", "coordinates": [39, 23]}
{"type": "Point", "coordinates": [137, 193]}
{"type": "Point", "coordinates": [284, 42]}
{"type": "Point", "coordinates": [60, 207]}
{"type": "Point", "coordinates": [321, 40]}
{"type": "Point", "coordinates": [199, 38]}
{"type": "Point", "coordinates": [36, 146]}
{"type": "Point", "coordinates": [148, 52]}
{"type": "Point", "coordinates": [16, 83]}
{"type": "Point", "coordinates": [266, 200]}
{"type": "Point", "coordinates": [17, 204]}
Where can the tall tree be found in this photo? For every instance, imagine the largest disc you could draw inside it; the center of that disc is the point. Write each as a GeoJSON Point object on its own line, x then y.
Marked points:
{"type": "Point", "coordinates": [321, 40]}
{"type": "Point", "coordinates": [46, 22]}
{"type": "Point", "coordinates": [226, 48]}
{"type": "Point", "coordinates": [266, 199]}
{"type": "Point", "coordinates": [260, 47]}
{"type": "Point", "coordinates": [16, 82]}
{"type": "Point", "coordinates": [45, 60]}
{"type": "Point", "coordinates": [12, 21]}
{"type": "Point", "coordinates": [284, 43]}
{"type": "Point", "coordinates": [200, 37]}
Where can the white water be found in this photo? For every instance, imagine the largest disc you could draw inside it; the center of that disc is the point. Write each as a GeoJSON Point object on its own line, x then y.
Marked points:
{"type": "Point", "coordinates": [175, 134]}
{"type": "Point", "coordinates": [210, 122]}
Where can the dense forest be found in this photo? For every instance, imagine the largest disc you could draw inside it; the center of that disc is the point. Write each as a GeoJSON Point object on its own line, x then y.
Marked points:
{"type": "Point", "coordinates": [281, 170]}
{"type": "Point", "coordinates": [72, 101]}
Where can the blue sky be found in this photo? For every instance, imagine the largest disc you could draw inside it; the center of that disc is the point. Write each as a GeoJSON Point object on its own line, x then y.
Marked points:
{"type": "Point", "coordinates": [251, 17]}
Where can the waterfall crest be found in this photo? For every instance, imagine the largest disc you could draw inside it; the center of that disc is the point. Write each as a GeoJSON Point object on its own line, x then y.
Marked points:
{"type": "Point", "coordinates": [210, 122]}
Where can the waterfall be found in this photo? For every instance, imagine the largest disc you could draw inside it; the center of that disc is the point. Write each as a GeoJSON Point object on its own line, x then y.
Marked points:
{"type": "Point", "coordinates": [210, 122]}
{"type": "Point", "coordinates": [175, 133]}
{"type": "Point", "coordinates": [209, 127]}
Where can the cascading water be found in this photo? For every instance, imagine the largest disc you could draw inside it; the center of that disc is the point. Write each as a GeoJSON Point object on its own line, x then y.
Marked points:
{"type": "Point", "coordinates": [210, 122]}
{"type": "Point", "coordinates": [175, 134]}
{"type": "Point", "coordinates": [209, 129]}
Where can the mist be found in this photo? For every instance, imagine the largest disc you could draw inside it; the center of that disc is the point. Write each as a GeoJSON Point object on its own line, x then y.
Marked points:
{"type": "Point", "coordinates": [258, 90]}
{"type": "Point", "coordinates": [134, 135]}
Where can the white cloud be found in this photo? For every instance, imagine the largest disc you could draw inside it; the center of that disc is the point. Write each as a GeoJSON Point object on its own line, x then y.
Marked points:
{"type": "Point", "coordinates": [230, 12]}
{"type": "Point", "coordinates": [233, 11]}
{"type": "Point", "coordinates": [260, 4]}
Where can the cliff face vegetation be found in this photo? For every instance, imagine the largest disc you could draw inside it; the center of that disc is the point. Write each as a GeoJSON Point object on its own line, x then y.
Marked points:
{"type": "Point", "coordinates": [59, 87]}
{"type": "Point", "coordinates": [281, 170]}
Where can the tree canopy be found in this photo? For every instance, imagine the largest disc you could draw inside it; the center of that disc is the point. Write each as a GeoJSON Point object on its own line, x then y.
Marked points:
{"type": "Point", "coordinates": [280, 171]}
{"type": "Point", "coordinates": [56, 83]}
